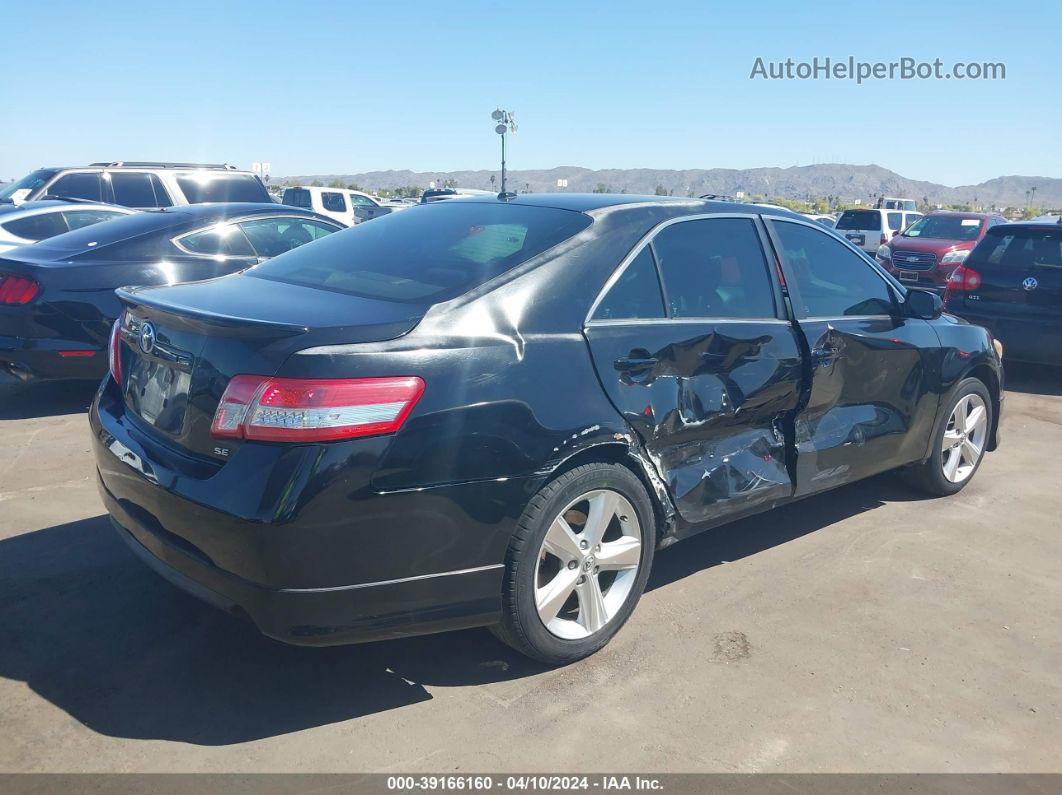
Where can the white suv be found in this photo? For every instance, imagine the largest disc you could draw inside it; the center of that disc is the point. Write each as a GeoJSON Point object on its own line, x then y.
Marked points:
{"type": "Point", "coordinates": [870, 229]}
{"type": "Point", "coordinates": [141, 185]}
{"type": "Point", "coordinates": [341, 204]}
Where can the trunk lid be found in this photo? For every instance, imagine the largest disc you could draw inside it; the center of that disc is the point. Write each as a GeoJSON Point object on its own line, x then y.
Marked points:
{"type": "Point", "coordinates": [1020, 269]}
{"type": "Point", "coordinates": [181, 345]}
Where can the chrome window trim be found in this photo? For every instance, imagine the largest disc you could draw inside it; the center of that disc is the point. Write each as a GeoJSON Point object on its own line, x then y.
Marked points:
{"type": "Point", "coordinates": [644, 241]}
{"type": "Point", "coordinates": [647, 321]}
{"type": "Point", "coordinates": [333, 588]}
{"type": "Point", "coordinates": [236, 222]}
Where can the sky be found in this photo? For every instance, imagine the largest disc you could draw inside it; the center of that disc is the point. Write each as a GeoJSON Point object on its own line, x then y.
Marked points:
{"type": "Point", "coordinates": [342, 88]}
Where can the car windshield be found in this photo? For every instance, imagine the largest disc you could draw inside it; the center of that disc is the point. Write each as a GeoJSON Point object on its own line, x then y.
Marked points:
{"type": "Point", "coordinates": [866, 220]}
{"type": "Point", "coordinates": [945, 227]}
{"type": "Point", "coordinates": [206, 186]}
{"type": "Point", "coordinates": [426, 254]}
{"type": "Point", "coordinates": [1019, 247]}
{"type": "Point", "coordinates": [30, 182]}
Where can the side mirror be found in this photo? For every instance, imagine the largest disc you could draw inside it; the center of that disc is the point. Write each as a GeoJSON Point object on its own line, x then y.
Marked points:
{"type": "Point", "coordinates": [895, 232]}
{"type": "Point", "coordinates": [923, 304]}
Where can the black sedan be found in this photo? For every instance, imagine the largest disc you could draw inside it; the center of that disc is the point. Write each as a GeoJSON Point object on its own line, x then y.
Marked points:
{"type": "Point", "coordinates": [491, 412]}
{"type": "Point", "coordinates": [1011, 283]}
{"type": "Point", "coordinates": [57, 301]}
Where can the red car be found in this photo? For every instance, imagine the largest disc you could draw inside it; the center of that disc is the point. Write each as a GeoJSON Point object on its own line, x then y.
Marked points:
{"type": "Point", "coordinates": [931, 248]}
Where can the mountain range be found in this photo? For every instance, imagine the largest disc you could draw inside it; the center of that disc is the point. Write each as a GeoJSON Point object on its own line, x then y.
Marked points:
{"type": "Point", "coordinates": [846, 182]}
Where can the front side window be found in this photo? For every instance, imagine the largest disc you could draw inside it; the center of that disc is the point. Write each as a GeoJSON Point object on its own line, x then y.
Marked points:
{"type": "Point", "coordinates": [208, 186]}
{"type": "Point", "coordinates": [76, 219]}
{"type": "Point", "coordinates": [833, 280]}
{"type": "Point", "coordinates": [333, 202]}
{"type": "Point", "coordinates": [426, 255]}
{"type": "Point", "coordinates": [77, 186]}
{"type": "Point", "coordinates": [273, 236]}
{"type": "Point", "coordinates": [945, 227]}
{"type": "Point", "coordinates": [361, 201]}
{"type": "Point", "coordinates": [714, 268]}
{"type": "Point", "coordinates": [895, 221]}
{"type": "Point", "coordinates": [221, 240]}
{"type": "Point", "coordinates": [37, 227]}
{"type": "Point", "coordinates": [635, 294]}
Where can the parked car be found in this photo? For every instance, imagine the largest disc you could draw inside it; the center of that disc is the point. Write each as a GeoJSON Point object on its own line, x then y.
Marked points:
{"type": "Point", "coordinates": [57, 300]}
{"type": "Point", "coordinates": [339, 204]}
{"type": "Point", "coordinates": [23, 224]}
{"type": "Point", "coordinates": [143, 185]}
{"type": "Point", "coordinates": [1011, 283]}
{"type": "Point", "coordinates": [825, 220]}
{"type": "Point", "coordinates": [931, 248]}
{"type": "Point", "coordinates": [894, 203]}
{"type": "Point", "coordinates": [488, 413]}
{"type": "Point", "coordinates": [871, 229]}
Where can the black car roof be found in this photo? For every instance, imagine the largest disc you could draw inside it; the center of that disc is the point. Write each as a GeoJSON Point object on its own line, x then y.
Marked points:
{"type": "Point", "coordinates": [588, 202]}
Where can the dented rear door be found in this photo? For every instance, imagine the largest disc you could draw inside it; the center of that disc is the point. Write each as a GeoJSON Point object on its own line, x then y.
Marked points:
{"type": "Point", "coordinates": [705, 370]}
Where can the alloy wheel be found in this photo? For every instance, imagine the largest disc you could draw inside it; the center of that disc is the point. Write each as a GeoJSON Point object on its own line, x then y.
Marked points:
{"type": "Point", "coordinates": [587, 564]}
{"type": "Point", "coordinates": [964, 438]}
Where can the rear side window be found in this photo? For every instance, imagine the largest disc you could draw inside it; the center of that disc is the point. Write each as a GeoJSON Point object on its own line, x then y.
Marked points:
{"type": "Point", "coordinates": [76, 219]}
{"type": "Point", "coordinates": [636, 294]}
{"type": "Point", "coordinates": [333, 202]}
{"type": "Point", "coordinates": [297, 197]}
{"type": "Point", "coordinates": [895, 221]}
{"type": "Point", "coordinates": [833, 281]}
{"type": "Point", "coordinates": [1019, 248]}
{"type": "Point", "coordinates": [211, 187]}
{"type": "Point", "coordinates": [77, 186]}
{"type": "Point", "coordinates": [37, 227]}
{"type": "Point", "coordinates": [866, 220]}
{"type": "Point", "coordinates": [222, 239]}
{"type": "Point", "coordinates": [426, 254]}
{"type": "Point", "coordinates": [273, 236]}
{"type": "Point", "coordinates": [714, 268]}
{"type": "Point", "coordinates": [138, 190]}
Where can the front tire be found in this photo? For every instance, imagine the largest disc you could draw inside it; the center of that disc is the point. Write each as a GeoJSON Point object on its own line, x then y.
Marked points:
{"type": "Point", "coordinates": [577, 564]}
{"type": "Point", "coordinates": [959, 442]}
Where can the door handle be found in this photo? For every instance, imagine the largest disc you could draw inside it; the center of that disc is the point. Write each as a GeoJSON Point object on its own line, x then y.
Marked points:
{"type": "Point", "coordinates": [634, 363]}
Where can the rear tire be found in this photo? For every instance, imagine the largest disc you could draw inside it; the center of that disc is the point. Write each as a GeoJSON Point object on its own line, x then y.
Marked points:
{"type": "Point", "coordinates": [959, 442]}
{"type": "Point", "coordinates": [577, 564]}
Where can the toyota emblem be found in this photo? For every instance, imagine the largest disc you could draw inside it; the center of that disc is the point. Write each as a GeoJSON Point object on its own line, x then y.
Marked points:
{"type": "Point", "coordinates": [147, 338]}
{"type": "Point", "coordinates": [1030, 284]}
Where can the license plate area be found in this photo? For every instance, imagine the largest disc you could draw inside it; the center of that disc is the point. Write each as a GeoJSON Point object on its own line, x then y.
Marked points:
{"type": "Point", "coordinates": [908, 276]}
{"type": "Point", "coordinates": [157, 392]}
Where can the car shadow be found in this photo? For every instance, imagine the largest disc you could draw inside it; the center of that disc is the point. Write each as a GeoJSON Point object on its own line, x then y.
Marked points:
{"type": "Point", "coordinates": [21, 401]}
{"type": "Point", "coordinates": [97, 634]}
{"type": "Point", "coordinates": [1033, 379]}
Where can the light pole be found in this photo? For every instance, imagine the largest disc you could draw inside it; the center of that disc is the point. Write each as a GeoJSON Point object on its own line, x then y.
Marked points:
{"type": "Point", "coordinates": [505, 123]}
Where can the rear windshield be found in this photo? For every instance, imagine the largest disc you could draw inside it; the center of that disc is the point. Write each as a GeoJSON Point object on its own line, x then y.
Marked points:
{"type": "Point", "coordinates": [426, 254]}
{"type": "Point", "coordinates": [210, 187]}
{"type": "Point", "coordinates": [945, 227]}
{"type": "Point", "coordinates": [1019, 248]}
{"type": "Point", "coordinates": [868, 220]}
{"type": "Point", "coordinates": [297, 197]}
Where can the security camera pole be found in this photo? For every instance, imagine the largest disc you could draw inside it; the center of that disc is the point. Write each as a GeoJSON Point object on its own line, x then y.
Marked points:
{"type": "Point", "coordinates": [506, 123]}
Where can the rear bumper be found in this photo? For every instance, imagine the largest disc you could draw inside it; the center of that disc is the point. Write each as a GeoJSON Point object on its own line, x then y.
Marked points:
{"type": "Point", "coordinates": [51, 359]}
{"type": "Point", "coordinates": [1025, 339]}
{"type": "Point", "coordinates": [297, 539]}
{"type": "Point", "coordinates": [322, 616]}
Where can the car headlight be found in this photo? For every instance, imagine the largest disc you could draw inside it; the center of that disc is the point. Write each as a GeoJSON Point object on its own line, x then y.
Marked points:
{"type": "Point", "coordinates": [954, 257]}
{"type": "Point", "coordinates": [884, 252]}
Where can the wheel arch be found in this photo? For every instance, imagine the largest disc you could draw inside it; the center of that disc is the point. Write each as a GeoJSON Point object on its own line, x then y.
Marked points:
{"type": "Point", "coordinates": [631, 456]}
{"type": "Point", "coordinates": [988, 376]}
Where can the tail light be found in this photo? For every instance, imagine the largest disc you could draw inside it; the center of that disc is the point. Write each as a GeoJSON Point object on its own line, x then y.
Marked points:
{"type": "Point", "coordinates": [962, 280]}
{"type": "Point", "coordinates": [114, 351]}
{"type": "Point", "coordinates": [17, 290]}
{"type": "Point", "coordinates": [313, 410]}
